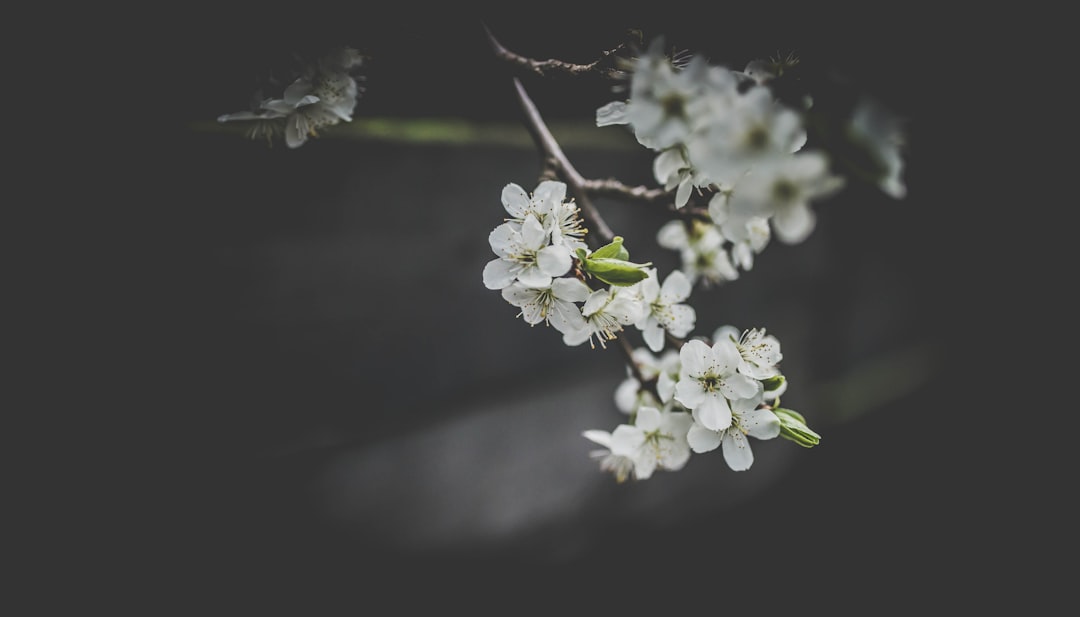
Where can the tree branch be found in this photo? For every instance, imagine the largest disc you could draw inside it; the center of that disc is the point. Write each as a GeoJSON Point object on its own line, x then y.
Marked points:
{"type": "Point", "coordinates": [555, 68]}
{"type": "Point", "coordinates": [574, 181]}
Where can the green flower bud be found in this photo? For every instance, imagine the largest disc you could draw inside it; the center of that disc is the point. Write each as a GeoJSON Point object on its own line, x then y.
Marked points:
{"type": "Point", "coordinates": [616, 271]}
{"type": "Point", "coordinates": [793, 428]}
{"type": "Point", "coordinates": [610, 251]}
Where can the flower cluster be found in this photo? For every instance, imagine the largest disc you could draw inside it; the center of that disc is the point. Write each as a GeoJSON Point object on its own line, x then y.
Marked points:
{"type": "Point", "coordinates": [704, 396]}
{"type": "Point", "coordinates": [723, 134]}
{"type": "Point", "coordinates": [544, 267]}
{"type": "Point", "coordinates": [323, 94]}
{"type": "Point", "coordinates": [708, 395]}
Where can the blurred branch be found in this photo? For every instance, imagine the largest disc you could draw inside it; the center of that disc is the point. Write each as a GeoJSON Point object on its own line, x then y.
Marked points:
{"type": "Point", "coordinates": [555, 68]}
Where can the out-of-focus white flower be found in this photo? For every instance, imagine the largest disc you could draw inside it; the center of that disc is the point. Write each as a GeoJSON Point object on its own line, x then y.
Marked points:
{"type": "Point", "coordinates": [880, 131]}
{"type": "Point", "coordinates": [619, 464]}
{"type": "Point", "coordinates": [781, 190]}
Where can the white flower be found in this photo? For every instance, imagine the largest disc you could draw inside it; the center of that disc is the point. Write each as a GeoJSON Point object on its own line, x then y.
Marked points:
{"type": "Point", "coordinates": [781, 190]}
{"type": "Point", "coordinates": [553, 305]}
{"type": "Point", "coordinates": [746, 420]}
{"type": "Point", "coordinates": [656, 440]}
{"type": "Point", "coordinates": [709, 378]}
{"type": "Point", "coordinates": [759, 353]}
{"type": "Point", "coordinates": [605, 312]}
{"type": "Point", "coordinates": [754, 128]}
{"type": "Point", "coordinates": [879, 130]}
{"type": "Point", "coordinates": [630, 395]}
{"type": "Point", "coordinates": [701, 250]}
{"type": "Point", "coordinates": [621, 465]}
{"type": "Point", "coordinates": [665, 308]}
{"type": "Point", "coordinates": [524, 255]}
{"type": "Point", "coordinates": [559, 218]}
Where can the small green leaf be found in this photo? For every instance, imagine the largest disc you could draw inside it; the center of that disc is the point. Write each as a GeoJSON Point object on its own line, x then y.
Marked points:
{"type": "Point", "coordinates": [616, 271]}
{"type": "Point", "coordinates": [582, 255]}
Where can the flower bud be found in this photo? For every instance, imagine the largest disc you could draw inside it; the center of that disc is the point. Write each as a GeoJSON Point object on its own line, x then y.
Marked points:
{"type": "Point", "coordinates": [793, 428]}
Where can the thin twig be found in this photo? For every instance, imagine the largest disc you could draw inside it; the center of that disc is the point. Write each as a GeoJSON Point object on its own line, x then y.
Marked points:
{"type": "Point", "coordinates": [613, 188]}
{"type": "Point", "coordinates": [555, 68]}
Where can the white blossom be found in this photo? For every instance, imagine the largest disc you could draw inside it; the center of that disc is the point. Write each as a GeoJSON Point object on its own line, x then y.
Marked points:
{"type": "Point", "coordinates": [664, 308]}
{"type": "Point", "coordinates": [746, 421]}
{"type": "Point", "coordinates": [554, 304]}
{"type": "Point", "coordinates": [656, 440]}
{"type": "Point", "coordinates": [759, 352]}
{"type": "Point", "coordinates": [524, 255]}
{"type": "Point", "coordinates": [605, 312]}
{"type": "Point", "coordinates": [708, 379]}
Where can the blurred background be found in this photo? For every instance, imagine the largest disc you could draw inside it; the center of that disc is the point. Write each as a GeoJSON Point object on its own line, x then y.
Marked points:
{"type": "Point", "coordinates": [339, 413]}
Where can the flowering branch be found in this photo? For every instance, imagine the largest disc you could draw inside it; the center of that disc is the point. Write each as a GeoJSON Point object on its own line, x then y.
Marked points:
{"type": "Point", "coordinates": [574, 181]}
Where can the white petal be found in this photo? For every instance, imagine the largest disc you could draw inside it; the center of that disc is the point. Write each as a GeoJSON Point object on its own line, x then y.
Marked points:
{"type": "Point", "coordinates": [667, 164]}
{"type": "Point", "coordinates": [565, 316]}
{"type": "Point", "coordinates": [702, 440]}
{"type": "Point", "coordinates": [672, 235]}
{"type": "Point", "coordinates": [665, 387]}
{"type": "Point", "coordinates": [570, 289]}
{"type": "Point", "coordinates": [601, 437]}
{"type": "Point", "coordinates": [713, 412]}
{"type": "Point", "coordinates": [532, 233]}
{"type": "Point", "coordinates": [648, 419]}
{"type": "Point", "coordinates": [517, 294]}
{"type": "Point", "coordinates": [760, 423]}
{"type": "Point", "coordinates": [794, 224]}
{"type": "Point", "coordinates": [515, 200]}
{"type": "Point", "coordinates": [626, 395]}
{"type": "Point", "coordinates": [737, 451]}
{"type": "Point", "coordinates": [627, 440]}
{"type": "Point", "coordinates": [725, 356]}
{"type": "Point", "coordinates": [533, 277]}
{"type": "Point", "coordinates": [694, 356]}
{"type": "Point", "coordinates": [502, 238]}
{"type": "Point", "coordinates": [296, 130]}
{"type": "Point", "coordinates": [612, 113]}
{"type": "Point", "coordinates": [653, 334]}
{"type": "Point", "coordinates": [727, 332]}
{"type": "Point", "coordinates": [644, 466]}
{"type": "Point", "coordinates": [740, 386]}
{"type": "Point", "coordinates": [554, 260]}
{"type": "Point", "coordinates": [676, 288]}
{"type": "Point", "coordinates": [682, 194]}
{"type": "Point", "coordinates": [573, 338]}
{"type": "Point", "coordinates": [499, 273]}
{"type": "Point", "coordinates": [689, 392]}
{"type": "Point", "coordinates": [681, 320]}
{"type": "Point", "coordinates": [551, 191]}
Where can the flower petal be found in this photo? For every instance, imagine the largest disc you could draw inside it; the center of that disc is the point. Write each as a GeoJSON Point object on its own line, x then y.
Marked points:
{"type": "Point", "coordinates": [499, 273]}
{"type": "Point", "coordinates": [737, 451]}
{"type": "Point", "coordinates": [554, 260]}
{"type": "Point", "coordinates": [713, 412]}
{"type": "Point", "coordinates": [702, 440]}
{"type": "Point", "coordinates": [760, 423]}
{"type": "Point", "coordinates": [515, 200]}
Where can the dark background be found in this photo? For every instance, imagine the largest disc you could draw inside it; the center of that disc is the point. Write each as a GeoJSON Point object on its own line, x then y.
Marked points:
{"type": "Point", "coordinates": [329, 412]}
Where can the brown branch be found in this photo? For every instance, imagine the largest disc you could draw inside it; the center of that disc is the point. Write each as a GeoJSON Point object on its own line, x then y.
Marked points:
{"type": "Point", "coordinates": [566, 171]}
{"type": "Point", "coordinates": [613, 188]}
{"type": "Point", "coordinates": [556, 68]}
